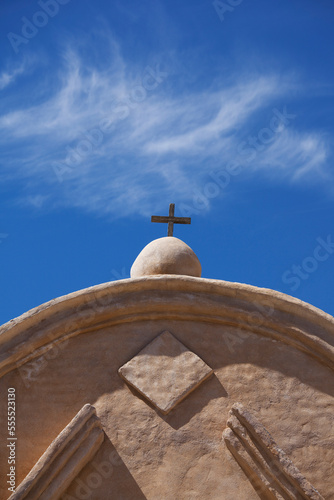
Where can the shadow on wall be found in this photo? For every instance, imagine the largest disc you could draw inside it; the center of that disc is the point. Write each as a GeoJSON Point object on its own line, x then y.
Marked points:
{"type": "Point", "coordinates": [106, 476]}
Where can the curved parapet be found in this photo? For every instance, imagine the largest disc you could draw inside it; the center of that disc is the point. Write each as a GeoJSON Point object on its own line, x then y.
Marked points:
{"type": "Point", "coordinates": [263, 311]}
{"type": "Point", "coordinates": [163, 359]}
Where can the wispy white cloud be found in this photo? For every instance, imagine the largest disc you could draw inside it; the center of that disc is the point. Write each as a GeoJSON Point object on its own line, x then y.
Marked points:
{"type": "Point", "coordinates": [230, 108]}
{"type": "Point", "coordinates": [9, 75]}
{"type": "Point", "coordinates": [295, 155]}
{"type": "Point", "coordinates": [121, 139]}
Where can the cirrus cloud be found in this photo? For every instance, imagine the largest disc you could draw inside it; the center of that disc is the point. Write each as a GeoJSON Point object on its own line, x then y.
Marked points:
{"type": "Point", "coordinates": [152, 142]}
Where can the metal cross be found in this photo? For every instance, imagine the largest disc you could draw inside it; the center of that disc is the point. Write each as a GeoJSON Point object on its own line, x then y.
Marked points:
{"type": "Point", "coordinates": [170, 219]}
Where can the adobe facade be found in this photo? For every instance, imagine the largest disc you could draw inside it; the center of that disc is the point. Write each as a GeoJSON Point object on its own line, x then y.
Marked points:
{"type": "Point", "coordinates": [167, 386]}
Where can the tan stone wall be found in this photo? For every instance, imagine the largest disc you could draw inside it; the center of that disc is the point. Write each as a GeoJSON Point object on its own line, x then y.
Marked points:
{"type": "Point", "coordinates": [258, 361]}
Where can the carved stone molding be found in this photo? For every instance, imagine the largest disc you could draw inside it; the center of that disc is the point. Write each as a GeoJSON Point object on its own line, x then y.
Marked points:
{"type": "Point", "coordinates": [66, 456]}
{"type": "Point", "coordinates": [261, 311]}
{"type": "Point", "coordinates": [269, 469]}
{"type": "Point", "coordinates": [165, 372]}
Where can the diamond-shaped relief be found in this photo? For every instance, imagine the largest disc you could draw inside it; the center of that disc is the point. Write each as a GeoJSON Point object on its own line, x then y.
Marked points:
{"type": "Point", "coordinates": [165, 372]}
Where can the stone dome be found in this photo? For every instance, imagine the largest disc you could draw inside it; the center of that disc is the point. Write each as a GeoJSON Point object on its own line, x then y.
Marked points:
{"type": "Point", "coordinates": [167, 255]}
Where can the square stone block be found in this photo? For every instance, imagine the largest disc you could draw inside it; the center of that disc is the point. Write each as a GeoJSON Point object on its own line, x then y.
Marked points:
{"type": "Point", "coordinates": [165, 372]}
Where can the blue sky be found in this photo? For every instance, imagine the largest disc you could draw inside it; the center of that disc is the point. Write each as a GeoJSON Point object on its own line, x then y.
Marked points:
{"type": "Point", "coordinates": [112, 110]}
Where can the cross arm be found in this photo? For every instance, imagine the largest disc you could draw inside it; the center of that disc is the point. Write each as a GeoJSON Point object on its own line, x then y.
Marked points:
{"type": "Point", "coordinates": [176, 220]}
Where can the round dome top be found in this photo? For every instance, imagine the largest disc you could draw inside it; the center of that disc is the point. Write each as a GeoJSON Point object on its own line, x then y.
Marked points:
{"type": "Point", "coordinates": [167, 255]}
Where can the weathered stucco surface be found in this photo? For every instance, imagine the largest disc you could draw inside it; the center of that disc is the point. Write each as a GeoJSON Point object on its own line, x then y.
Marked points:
{"type": "Point", "coordinates": [166, 255]}
{"type": "Point", "coordinates": [270, 352]}
{"type": "Point", "coordinates": [165, 372]}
